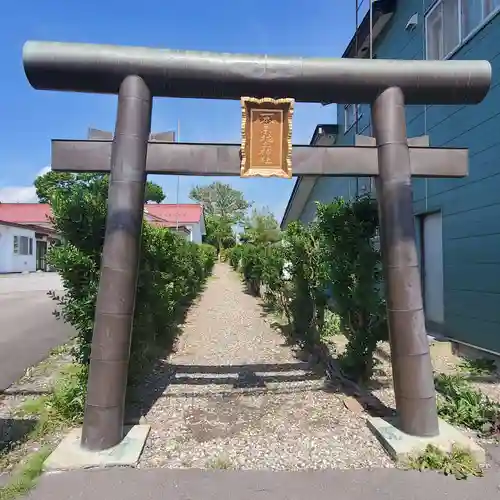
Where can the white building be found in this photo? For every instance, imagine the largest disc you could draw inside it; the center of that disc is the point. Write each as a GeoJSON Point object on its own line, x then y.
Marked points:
{"type": "Point", "coordinates": [17, 248]}
{"type": "Point", "coordinates": [185, 219]}
{"type": "Point", "coordinates": [26, 231]}
{"type": "Point", "coordinates": [23, 248]}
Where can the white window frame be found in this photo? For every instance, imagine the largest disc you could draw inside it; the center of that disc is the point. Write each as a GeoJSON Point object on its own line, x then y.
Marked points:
{"type": "Point", "coordinates": [357, 116]}
{"type": "Point", "coordinates": [462, 38]}
{"type": "Point", "coordinates": [18, 245]}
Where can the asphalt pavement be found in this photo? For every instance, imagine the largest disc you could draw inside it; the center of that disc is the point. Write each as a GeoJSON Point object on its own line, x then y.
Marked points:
{"type": "Point", "coordinates": [28, 328]}
{"type": "Point", "coordinates": [156, 484]}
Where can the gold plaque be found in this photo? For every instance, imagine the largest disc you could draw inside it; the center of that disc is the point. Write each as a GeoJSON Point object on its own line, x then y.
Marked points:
{"type": "Point", "coordinates": [266, 144]}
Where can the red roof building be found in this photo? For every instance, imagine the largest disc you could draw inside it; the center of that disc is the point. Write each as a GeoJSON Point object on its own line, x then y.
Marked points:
{"type": "Point", "coordinates": [26, 213]}
{"type": "Point", "coordinates": [186, 218]}
{"type": "Point", "coordinates": [182, 213]}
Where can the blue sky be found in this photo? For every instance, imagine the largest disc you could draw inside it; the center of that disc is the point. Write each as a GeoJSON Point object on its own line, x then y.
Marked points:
{"type": "Point", "coordinates": [30, 118]}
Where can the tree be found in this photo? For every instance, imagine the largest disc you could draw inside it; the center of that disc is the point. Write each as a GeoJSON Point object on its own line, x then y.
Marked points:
{"type": "Point", "coordinates": [154, 192]}
{"type": "Point", "coordinates": [47, 184]}
{"type": "Point", "coordinates": [221, 200]}
{"type": "Point", "coordinates": [261, 228]}
{"type": "Point", "coordinates": [219, 232]}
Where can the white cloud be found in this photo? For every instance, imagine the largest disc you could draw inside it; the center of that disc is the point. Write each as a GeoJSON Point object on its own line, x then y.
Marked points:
{"type": "Point", "coordinates": [43, 171]}
{"type": "Point", "coordinates": [21, 194]}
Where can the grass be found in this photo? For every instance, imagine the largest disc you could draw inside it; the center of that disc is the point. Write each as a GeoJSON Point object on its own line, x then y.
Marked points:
{"type": "Point", "coordinates": [459, 462]}
{"type": "Point", "coordinates": [61, 350]}
{"type": "Point", "coordinates": [460, 404]}
{"type": "Point", "coordinates": [221, 463]}
{"type": "Point", "coordinates": [480, 366]}
{"type": "Point", "coordinates": [26, 477]}
{"type": "Point", "coordinates": [60, 409]}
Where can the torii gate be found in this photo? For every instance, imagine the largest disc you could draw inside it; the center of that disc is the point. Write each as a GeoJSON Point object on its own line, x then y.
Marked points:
{"type": "Point", "coordinates": [139, 74]}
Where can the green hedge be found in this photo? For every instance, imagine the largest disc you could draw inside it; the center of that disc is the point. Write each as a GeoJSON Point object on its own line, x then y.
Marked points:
{"type": "Point", "coordinates": [171, 272]}
{"type": "Point", "coordinates": [331, 261]}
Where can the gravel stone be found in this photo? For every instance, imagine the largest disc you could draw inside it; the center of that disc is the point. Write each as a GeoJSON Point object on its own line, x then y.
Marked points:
{"type": "Point", "coordinates": [236, 395]}
{"type": "Point", "coordinates": [15, 429]}
{"type": "Point", "coordinates": [443, 361]}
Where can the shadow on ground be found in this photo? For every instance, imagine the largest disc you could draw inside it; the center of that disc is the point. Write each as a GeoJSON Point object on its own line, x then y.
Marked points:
{"type": "Point", "coordinates": [19, 391]}
{"type": "Point", "coordinates": [13, 431]}
{"type": "Point", "coordinates": [313, 366]}
{"type": "Point", "coordinates": [252, 376]}
{"type": "Point", "coordinates": [142, 396]}
{"type": "Point", "coordinates": [147, 385]}
{"type": "Point", "coordinates": [321, 357]}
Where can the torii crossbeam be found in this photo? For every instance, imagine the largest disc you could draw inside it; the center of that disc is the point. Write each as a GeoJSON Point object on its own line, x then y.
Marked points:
{"type": "Point", "coordinates": [223, 159]}
{"type": "Point", "coordinates": [138, 74]}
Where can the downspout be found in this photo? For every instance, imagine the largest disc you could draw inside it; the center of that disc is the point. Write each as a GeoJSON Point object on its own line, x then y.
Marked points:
{"type": "Point", "coordinates": [426, 181]}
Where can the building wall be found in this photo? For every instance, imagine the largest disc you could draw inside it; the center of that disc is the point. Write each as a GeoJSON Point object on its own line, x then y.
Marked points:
{"type": "Point", "coordinates": [470, 207]}
{"type": "Point", "coordinates": [15, 263]}
{"type": "Point", "coordinates": [196, 235]}
{"type": "Point", "coordinates": [325, 190]}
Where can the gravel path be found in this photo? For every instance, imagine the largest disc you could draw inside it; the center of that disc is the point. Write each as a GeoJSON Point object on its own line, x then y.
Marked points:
{"type": "Point", "coordinates": [234, 395]}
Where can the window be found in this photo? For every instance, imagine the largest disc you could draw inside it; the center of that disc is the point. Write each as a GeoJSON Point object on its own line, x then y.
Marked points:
{"type": "Point", "coordinates": [23, 245]}
{"type": "Point", "coordinates": [352, 114]}
{"type": "Point", "coordinates": [450, 22]}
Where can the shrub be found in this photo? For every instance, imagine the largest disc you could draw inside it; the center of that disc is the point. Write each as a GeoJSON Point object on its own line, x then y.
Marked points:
{"type": "Point", "coordinates": [234, 256]}
{"type": "Point", "coordinates": [292, 274]}
{"type": "Point", "coordinates": [252, 261]}
{"type": "Point", "coordinates": [171, 272]}
{"type": "Point", "coordinates": [277, 291]}
{"type": "Point", "coordinates": [308, 281]}
{"type": "Point", "coordinates": [208, 254]}
{"type": "Point", "coordinates": [333, 259]}
{"type": "Point", "coordinates": [348, 229]}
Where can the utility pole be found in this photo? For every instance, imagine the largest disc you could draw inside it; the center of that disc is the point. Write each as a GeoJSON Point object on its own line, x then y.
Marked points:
{"type": "Point", "coordinates": [178, 180]}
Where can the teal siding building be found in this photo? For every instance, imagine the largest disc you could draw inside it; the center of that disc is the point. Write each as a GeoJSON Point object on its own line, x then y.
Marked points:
{"type": "Point", "coordinates": [457, 220]}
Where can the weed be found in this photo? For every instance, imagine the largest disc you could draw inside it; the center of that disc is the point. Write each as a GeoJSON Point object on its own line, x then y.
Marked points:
{"type": "Point", "coordinates": [460, 404]}
{"type": "Point", "coordinates": [222, 463]}
{"type": "Point", "coordinates": [459, 462]}
{"type": "Point", "coordinates": [6, 454]}
{"type": "Point", "coordinates": [480, 366]}
{"type": "Point", "coordinates": [25, 478]}
{"type": "Point", "coordinates": [67, 402]}
{"type": "Point", "coordinates": [32, 407]}
{"type": "Point", "coordinates": [60, 350]}
{"type": "Point", "coordinates": [65, 405]}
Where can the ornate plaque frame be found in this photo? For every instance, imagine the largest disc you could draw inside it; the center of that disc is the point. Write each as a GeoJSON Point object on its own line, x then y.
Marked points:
{"type": "Point", "coordinates": [274, 119]}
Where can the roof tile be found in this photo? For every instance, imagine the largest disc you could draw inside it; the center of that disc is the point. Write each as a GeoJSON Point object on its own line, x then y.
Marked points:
{"type": "Point", "coordinates": [38, 213]}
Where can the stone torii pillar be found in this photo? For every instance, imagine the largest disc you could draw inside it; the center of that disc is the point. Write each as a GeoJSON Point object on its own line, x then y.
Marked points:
{"type": "Point", "coordinates": [138, 74]}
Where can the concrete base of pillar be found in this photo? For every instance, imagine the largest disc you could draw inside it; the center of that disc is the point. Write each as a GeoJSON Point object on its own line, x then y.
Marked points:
{"type": "Point", "coordinates": [400, 445]}
{"type": "Point", "coordinates": [69, 455]}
